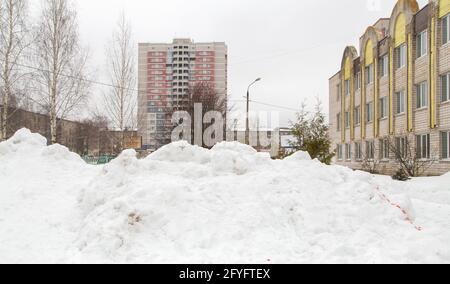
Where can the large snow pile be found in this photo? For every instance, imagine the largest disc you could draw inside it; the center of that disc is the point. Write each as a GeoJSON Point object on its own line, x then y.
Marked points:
{"type": "Point", "coordinates": [38, 190]}
{"type": "Point", "coordinates": [184, 204]}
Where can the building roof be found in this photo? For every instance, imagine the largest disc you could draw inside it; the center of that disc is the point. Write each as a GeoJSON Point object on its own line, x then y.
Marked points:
{"type": "Point", "coordinates": [336, 74]}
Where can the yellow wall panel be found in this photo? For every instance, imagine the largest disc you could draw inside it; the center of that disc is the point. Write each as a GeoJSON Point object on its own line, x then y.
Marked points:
{"type": "Point", "coordinates": [444, 8]}
{"type": "Point", "coordinates": [352, 107]}
{"type": "Point", "coordinates": [375, 105]}
{"type": "Point", "coordinates": [363, 104]}
{"type": "Point", "coordinates": [433, 75]}
{"type": "Point", "coordinates": [347, 69]}
{"type": "Point", "coordinates": [343, 128]}
{"type": "Point", "coordinates": [391, 90]}
{"type": "Point", "coordinates": [410, 81]}
{"type": "Point", "coordinates": [368, 51]}
{"type": "Point", "coordinates": [400, 30]}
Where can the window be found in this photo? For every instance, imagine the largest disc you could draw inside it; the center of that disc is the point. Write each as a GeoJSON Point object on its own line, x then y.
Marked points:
{"type": "Point", "coordinates": [383, 107]}
{"type": "Point", "coordinates": [358, 81]}
{"type": "Point", "coordinates": [423, 146]}
{"type": "Point", "coordinates": [357, 115]}
{"type": "Point", "coordinates": [156, 72]}
{"type": "Point", "coordinates": [358, 151]}
{"type": "Point", "coordinates": [384, 149]}
{"type": "Point", "coordinates": [348, 152]}
{"type": "Point", "coordinates": [401, 145]}
{"type": "Point", "coordinates": [445, 143]}
{"type": "Point", "coordinates": [446, 29]}
{"type": "Point", "coordinates": [384, 64]}
{"type": "Point", "coordinates": [422, 95]}
{"type": "Point", "coordinates": [400, 102]}
{"type": "Point", "coordinates": [370, 150]}
{"type": "Point", "coordinates": [338, 122]}
{"type": "Point", "coordinates": [369, 112]}
{"type": "Point", "coordinates": [445, 80]}
{"type": "Point", "coordinates": [369, 74]}
{"type": "Point", "coordinates": [339, 91]}
{"type": "Point", "coordinates": [400, 53]}
{"type": "Point", "coordinates": [339, 152]}
{"type": "Point", "coordinates": [347, 120]}
{"type": "Point", "coordinates": [347, 87]}
{"type": "Point", "coordinates": [422, 44]}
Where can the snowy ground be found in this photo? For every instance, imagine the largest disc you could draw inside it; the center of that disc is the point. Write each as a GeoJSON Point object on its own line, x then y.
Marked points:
{"type": "Point", "coordinates": [184, 204]}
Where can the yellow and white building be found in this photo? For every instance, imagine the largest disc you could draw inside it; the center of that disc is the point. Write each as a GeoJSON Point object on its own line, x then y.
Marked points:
{"type": "Point", "coordinates": [395, 86]}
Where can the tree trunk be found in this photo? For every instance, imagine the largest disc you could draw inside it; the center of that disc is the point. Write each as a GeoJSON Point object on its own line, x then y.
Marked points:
{"type": "Point", "coordinates": [6, 73]}
{"type": "Point", "coordinates": [5, 109]}
{"type": "Point", "coordinates": [6, 94]}
{"type": "Point", "coordinates": [4, 117]}
{"type": "Point", "coordinates": [53, 127]}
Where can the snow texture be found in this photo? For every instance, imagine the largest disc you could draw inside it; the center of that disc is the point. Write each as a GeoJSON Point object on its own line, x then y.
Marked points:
{"type": "Point", "coordinates": [230, 204]}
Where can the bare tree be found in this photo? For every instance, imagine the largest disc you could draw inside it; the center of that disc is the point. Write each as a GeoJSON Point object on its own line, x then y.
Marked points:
{"type": "Point", "coordinates": [205, 94]}
{"type": "Point", "coordinates": [120, 101]}
{"type": "Point", "coordinates": [369, 161]}
{"type": "Point", "coordinates": [14, 39]}
{"type": "Point", "coordinates": [61, 82]}
{"type": "Point", "coordinates": [370, 165]}
{"type": "Point", "coordinates": [96, 127]}
{"type": "Point", "coordinates": [210, 100]}
{"type": "Point", "coordinates": [413, 161]}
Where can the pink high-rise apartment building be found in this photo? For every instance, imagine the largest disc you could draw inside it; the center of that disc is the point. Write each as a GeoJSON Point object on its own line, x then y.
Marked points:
{"type": "Point", "coordinates": [166, 72]}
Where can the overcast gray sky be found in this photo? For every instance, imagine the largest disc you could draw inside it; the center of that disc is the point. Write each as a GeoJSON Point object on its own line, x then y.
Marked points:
{"type": "Point", "coordinates": [294, 45]}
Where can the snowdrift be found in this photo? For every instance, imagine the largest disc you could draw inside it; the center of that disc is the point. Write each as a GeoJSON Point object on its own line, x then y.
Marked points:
{"type": "Point", "coordinates": [185, 204]}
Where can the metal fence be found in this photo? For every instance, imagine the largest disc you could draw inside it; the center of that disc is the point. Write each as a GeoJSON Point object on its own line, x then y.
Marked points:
{"type": "Point", "coordinates": [100, 160]}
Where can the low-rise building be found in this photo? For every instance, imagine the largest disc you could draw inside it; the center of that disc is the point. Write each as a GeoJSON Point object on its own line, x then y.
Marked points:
{"type": "Point", "coordinates": [393, 91]}
{"type": "Point", "coordinates": [81, 138]}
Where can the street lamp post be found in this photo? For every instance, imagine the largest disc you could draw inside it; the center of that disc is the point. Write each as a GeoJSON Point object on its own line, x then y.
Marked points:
{"type": "Point", "coordinates": [247, 122]}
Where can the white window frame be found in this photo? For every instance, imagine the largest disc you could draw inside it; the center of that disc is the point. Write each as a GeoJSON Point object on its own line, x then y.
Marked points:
{"type": "Point", "coordinates": [369, 74]}
{"type": "Point", "coordinates": [348, 152]}
{"type": "Point", "coordinates": [384, 149]}
{"type": "Point", "coordinates": [446, 21]}
{"type": "Point", "coordinates": [384, 65]}
{"type": "Point", "coordinates": [370, 150]}
{"type": "Point", "coordinates": [423, 153]}
{"type": "Point", "coordinates": [401, 56]}
{"type": "Point", "coordinates": [357, 115]}
{"type": "Point", "coordinates": [445, 91]}
{"type": "Point", "coordinates": [422, 44]}
{"type": "Point", "coordinates": [401, 145]}
{"type": "Point", "coordinates": [358, 151]}
{"type": "Point", "coordinates": [347, 88]}
{"type": "Point", "coordinates": [383, 107]}
{"type": "Point", "coordinates": [447, 134]}
{"type": "Point", "coordinates": [422, 95]}
{"type": "Point", "coordinates": [347, 120]}
{"type": "Point", "coordinates": [400, 103]}
{"type": "Point", "coordinates": [358, 81]}
{"type": "Point", "coordinates": [339, 152]}
{"type": "Point", "coordinates": [369, 112]}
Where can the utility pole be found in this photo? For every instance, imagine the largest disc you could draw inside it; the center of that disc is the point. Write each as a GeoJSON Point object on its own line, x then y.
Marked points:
{"type": "Point", "coordinates": [247, 122]}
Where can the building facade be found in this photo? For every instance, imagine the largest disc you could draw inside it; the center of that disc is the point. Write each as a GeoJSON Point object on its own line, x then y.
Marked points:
{"type": "Point", "coordinates": [393, 91]}
{"type": "Point", "coordinates": [83, 138]}
{"type": "Point", "coordinates": [166, 73]}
